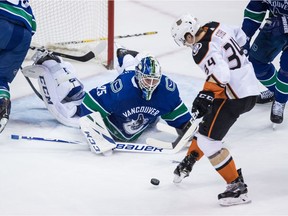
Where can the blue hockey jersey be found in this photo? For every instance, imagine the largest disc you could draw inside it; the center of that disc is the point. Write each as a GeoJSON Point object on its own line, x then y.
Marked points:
{"type": "Point", "coordinates": [126, 114]}
{"type": "Point", "coordinates": [256, 10]}
{"type": "Point", "coordinates": [18, 11]}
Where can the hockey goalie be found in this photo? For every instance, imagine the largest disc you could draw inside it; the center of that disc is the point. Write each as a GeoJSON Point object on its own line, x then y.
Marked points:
{"type": "Point", "coordinates": [120, 110]}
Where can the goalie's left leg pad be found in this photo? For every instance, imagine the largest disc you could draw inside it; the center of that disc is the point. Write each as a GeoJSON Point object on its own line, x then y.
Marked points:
{"type": "Point", "coordinates": [96, 133]}
{"type": "Point", "coordinates": [55, 85]}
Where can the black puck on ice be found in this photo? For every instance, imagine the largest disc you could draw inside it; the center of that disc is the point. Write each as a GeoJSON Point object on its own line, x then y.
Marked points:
{"type": "Point", "coordinates": [154, 181]}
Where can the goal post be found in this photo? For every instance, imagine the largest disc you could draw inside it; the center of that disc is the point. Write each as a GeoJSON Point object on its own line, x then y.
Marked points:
{"type": "Point", "coordinates": [110, 53]}
{"type": "Point", "coordinates": [61, 23]}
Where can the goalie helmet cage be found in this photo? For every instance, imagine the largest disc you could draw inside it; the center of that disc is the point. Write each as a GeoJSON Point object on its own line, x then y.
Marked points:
{"type": "Point", "coordinates": [75, 26]}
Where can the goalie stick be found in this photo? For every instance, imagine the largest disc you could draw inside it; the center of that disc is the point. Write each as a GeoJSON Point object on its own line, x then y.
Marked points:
{"type": "Point", "coordinates": [120, 146]}
{"type": "Point", "coordinates": [181, 141]}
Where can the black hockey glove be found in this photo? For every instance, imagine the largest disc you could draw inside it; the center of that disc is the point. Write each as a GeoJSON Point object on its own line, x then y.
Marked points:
{"type": "Point", "coordinates": [276, 26]}
{"type": "Point", "coordinates": [203, 103]}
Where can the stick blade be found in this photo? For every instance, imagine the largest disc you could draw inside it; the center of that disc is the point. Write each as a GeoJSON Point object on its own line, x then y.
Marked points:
{"type": "Point", "coordinates": [100, 47]}
{"type": "Point", "coordinates": [14, 136]}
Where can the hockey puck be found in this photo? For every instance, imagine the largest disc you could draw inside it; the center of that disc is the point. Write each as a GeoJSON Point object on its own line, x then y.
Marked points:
{"type": "Point", "coordinates": [154, 181]}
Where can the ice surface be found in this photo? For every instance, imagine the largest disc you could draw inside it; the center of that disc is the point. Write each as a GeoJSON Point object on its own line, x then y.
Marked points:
{"type": "Point", "coordinates": [45, 178]}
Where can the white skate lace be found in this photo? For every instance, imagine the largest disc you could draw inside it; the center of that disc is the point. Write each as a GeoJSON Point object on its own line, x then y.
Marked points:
{"type": "Point", "coordinates": [266, 94]}
{"type": "Point", "coordinates": [234, 187]}
{"type": "Point", "coordinates": [231, 187]}
{"type": "Point", "coordinates": [278, 108]}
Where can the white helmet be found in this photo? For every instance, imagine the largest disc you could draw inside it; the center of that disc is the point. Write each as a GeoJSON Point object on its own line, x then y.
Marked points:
{"type": "Point", "coordinates": [184, 24]}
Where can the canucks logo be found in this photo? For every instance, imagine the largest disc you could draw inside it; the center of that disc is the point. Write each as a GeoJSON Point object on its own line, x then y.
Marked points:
{"type": "Point", "coordinates": [135, 126]}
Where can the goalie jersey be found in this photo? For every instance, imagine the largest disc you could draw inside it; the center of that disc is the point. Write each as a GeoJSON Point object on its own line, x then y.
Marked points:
{"type": "Point", "coordinates": [219, 55]}
{"type": "Point", "coordinates": [126, 114]}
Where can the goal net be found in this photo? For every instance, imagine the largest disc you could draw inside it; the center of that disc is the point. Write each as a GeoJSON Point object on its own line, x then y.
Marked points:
{"type": "Point", "coordinates": [75, 26]}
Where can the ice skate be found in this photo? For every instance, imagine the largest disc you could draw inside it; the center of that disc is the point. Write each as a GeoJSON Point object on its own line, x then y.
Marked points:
{"type": "Point", "coordinates": [236, 193]}
{"type": "Point", "coordinates": [121, 52]}
{"type": "Point", "coordinates": [185, 167]}
{"type": "Point", "coordinates": [43, 55]}
{"type": "Point", "coordinates": [5, 106]}
{"type": "Point", "coordinates": [265, 97]}
{"type": "Point", "coordinates": [277, 111]}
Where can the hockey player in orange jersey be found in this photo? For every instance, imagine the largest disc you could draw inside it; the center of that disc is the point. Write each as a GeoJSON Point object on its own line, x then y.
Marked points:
{"type": "Point", "coordinates": [230, 90]}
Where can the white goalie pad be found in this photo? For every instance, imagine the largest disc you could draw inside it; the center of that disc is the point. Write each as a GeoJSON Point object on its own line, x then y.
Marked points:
{"type": "Point", "coordinates": [33, 71]}
{"type": "Point", "coordinates": [55, 83]}
{"type": "Point", "coordinates": [129, 62]}
{"type": "Point", "coordinates": [96, 133]}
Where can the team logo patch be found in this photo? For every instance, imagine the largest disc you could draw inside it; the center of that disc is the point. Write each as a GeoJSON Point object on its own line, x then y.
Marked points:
{"type": "Point", "coordinates": [135, 126]}
{"type": "Point", "coordinates": [196, 48]}
{"type": "Point", "coordinates": [254, 47]}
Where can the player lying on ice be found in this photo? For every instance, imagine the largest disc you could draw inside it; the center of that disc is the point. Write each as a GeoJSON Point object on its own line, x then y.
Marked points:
{"type": "Point", "coordinates": [116, 111]}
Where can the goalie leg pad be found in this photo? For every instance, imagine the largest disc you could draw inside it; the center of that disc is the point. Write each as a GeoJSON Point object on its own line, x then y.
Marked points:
{"type": "Point", "coordinates": [96, 133]}
{"type": "Point", "coordinates": [56, 95]}
{"type": "Point", "coordinates": [33, 71]}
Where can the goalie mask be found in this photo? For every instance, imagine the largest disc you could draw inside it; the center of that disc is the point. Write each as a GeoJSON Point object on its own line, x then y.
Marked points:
{"type": "Point", "coordinates": [183, 25]}
{"type": "Point", "coordinates": [148, 74]}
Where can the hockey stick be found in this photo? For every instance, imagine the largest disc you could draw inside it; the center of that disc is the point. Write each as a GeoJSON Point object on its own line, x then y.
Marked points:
{"type": "Point", "coordinates": [181, 141]}
{"type": "Point", "coordinates": [104, 38]}
{"type": "Point", "coordinates": [18, 137]}
{"type": "Point", "coordinates": [84, 58]}
{"type": "Point", "coordinates": [122, 147]}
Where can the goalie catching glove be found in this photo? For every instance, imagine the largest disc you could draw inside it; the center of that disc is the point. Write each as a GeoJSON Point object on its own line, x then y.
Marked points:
{"type": "Point", "coordinates": [203, 103]}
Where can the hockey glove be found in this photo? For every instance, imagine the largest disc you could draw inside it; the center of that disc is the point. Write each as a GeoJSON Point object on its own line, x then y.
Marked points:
{"type": "Point", "coordinates": [203, 103]}
{"type": "Point", "coordinates": [5, 106]}
{"type": "Point", "coordinates": [276, 26]}
{"type": "Point", "coordinates": [185, 167]}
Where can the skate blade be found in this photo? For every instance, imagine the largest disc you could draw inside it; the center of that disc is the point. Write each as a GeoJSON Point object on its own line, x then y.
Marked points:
{"type": "Point", "coordinates": [242, 199]}
{"type": "Point", "coordinates": [178, 179]}
{"type": "Point", "coordinates": [3, 123]}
